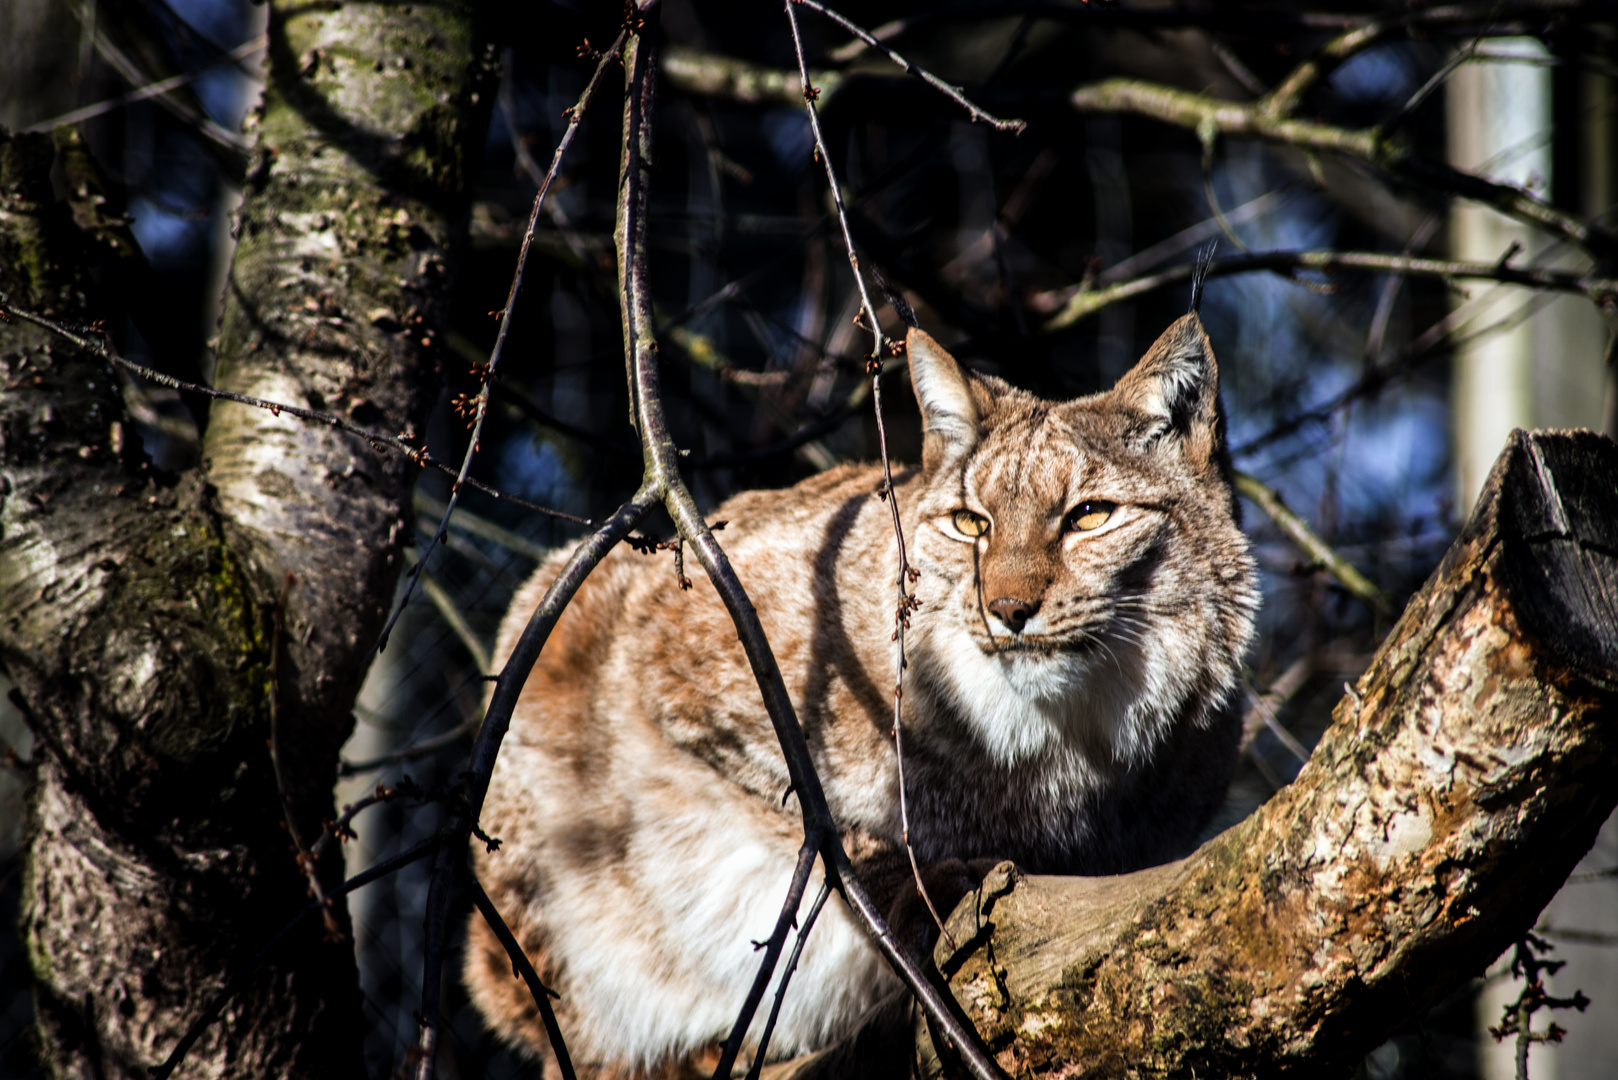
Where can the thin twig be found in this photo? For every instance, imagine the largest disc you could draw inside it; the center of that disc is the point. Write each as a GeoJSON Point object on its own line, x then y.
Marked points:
{"type": "Point", "coordinates": [447, 610]}
{"type": "Point", "coordinates": [1261, 714]}
{"type": "Point", "coordinates": [1518, 1015]}
{"type": "Point", "coordinates": [305, 860]}
{"type": "Point", "coordinates": [950, 91]}
{"type": "Point", "coordinates": [341, 828]}
{"type": "Point", "coordinates": [378, 440]}
{"type": "Point", "coordinates": [906, 573]}
{"type": "Point", "coordinates": [1319, 552]}
{"type": "Point", "coordinates": [1209, 141]}
{"type": "Point", "coordinates": [230, 143]}
{"type": "Point", "coordinates": [521, 966]}
{"type": "Point", "coordinates": [487, 373]}
{"type": "Point", "coordinates": [425, 748]}
{"type": "Point", "coordinates": [517, 668]}
{"type": "Point", "coordinates": [1426, 90]}
{"type": "Point", "coordinates": [162, 86]}
{"type": "Point", "coordinates": [772, 946]}
{"type": "Point", "coordinates": [786, 977]}
{"type": "Point", "coordinates": [469, 522]}
{"type": "Point", "coordinates": [809, 96]}
{"type": "Point", "coordinates": [1377, 334]}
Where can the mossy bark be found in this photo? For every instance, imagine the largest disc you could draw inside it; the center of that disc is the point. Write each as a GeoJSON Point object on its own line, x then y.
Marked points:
{"type": "Point", "coordinates": [138, 614]}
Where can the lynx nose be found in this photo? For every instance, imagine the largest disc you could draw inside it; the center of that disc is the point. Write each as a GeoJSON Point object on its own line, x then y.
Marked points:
{"type": "Point", "coordinates": [1013, 612]}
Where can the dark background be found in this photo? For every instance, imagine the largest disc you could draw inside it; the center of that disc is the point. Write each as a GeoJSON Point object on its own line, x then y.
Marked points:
{"type": "Point", "coordinates": [755, 302]}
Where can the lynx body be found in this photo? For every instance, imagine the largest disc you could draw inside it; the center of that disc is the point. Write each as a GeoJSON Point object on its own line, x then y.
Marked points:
{"type": "Point", "coordinates": [1086, 598]}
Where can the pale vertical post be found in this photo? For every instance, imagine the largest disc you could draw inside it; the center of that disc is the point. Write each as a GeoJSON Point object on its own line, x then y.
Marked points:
{"type": "Point", "coordinates": [1499, 126]}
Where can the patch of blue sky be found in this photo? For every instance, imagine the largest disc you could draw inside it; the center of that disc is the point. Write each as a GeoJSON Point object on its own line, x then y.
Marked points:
{"type": "Point", "coordinates": [1385, 74]}
{"type": "Point", "coordinates": [225, 91]}
{"type": "Point", "coordinates": [532, 469]}
{"type": "Point", "coordinates": [787, 131]}
{"type": "Point", "coordinates": [1400, 455]}
{"type": "Point", "coordinates": [170, 239]}
{"type": "Point", "coordinates": [223, 22]}
{"type": "Point", "coordinates": [226, 94]}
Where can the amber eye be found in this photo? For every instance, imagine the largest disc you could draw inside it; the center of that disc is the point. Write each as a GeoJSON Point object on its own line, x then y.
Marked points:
{"type": "Point", "coordinates": [1090, 514]}
{"type": "Point", "coordinates": [970, 524]}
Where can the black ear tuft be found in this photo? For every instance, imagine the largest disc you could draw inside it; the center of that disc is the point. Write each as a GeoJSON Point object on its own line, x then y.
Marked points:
{"type": "Point", "coordinates": [901, 306]}
{"type": "Point", "coordinates": [1175, 388]}
{"type": "Point", "coordinates": [1199, 276]}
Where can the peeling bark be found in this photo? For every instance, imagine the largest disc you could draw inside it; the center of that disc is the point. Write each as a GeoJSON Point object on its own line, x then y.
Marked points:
{"type": "Point", "coordinates": [136, 615]}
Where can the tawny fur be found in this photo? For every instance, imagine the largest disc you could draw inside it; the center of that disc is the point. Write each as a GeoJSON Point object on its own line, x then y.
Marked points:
{"type": "Point", "coordinates": [639, 795]}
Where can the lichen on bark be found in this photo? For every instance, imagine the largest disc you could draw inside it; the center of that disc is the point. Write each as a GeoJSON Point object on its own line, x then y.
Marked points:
{"type": "Point", "coordinates": [139, 610]}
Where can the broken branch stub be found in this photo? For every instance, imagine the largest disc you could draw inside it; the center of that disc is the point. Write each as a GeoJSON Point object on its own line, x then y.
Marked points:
{"type": "Point", "coordinates": [1462, 779]}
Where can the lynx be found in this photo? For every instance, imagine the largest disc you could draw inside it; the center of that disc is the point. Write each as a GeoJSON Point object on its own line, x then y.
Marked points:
{"type": "Point", "coordinates": [1070, 704]}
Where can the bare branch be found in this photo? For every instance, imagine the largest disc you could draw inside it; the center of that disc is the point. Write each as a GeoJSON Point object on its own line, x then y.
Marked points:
{"type": "Point", "coordinates": [1209, 117]}
{"type": "Point", "coordinates": [520, 965]}
{"type": "Point", "coordinates": [950, 91]}
{"type": "Point", "coordinates": [1084, 304]}
{"type": "Point", "coordinates": [766, 967]}
{"type": "Point", "coordinates": [1299, 532]}
{"type": "Point", "coordinates": [341, 828]}
{"type": "Point", "coordinates": [154, 89]}
{"type": "Point", "coordinates": [496, 722]}
{"type": "Point", "coordinates": [410, 753]}
{"type": "Point", "coordinates": [1262, 712]}
{"type": "Point", "coordinates": [488, 372]}
{"type": "Point", "coordinates": [786, 977]}
{"type": "Point", "coordinates": [713, 75]}
{"type": "Point", "coordinates": [99, 346]}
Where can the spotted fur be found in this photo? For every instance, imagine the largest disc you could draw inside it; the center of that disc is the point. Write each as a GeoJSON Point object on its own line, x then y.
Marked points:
{"type": "Point", "coordinates": [1070, 704]}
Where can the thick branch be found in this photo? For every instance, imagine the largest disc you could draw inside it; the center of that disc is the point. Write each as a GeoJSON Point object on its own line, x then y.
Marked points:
{"type": "Point", "coordinates": [1211, 118]}
{"type": "Point", "coordinates": [1080, 304]}
{"type": "Point", "coordinates": [726, 77]}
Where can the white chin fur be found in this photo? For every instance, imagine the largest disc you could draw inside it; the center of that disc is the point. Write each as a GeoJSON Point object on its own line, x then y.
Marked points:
{"type": "Point", "coordinates": [1101, 709]}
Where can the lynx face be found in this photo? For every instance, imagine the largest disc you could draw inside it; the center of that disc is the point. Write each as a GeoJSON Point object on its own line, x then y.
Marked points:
{"type": "Point", "coordinates": [1083, 578]}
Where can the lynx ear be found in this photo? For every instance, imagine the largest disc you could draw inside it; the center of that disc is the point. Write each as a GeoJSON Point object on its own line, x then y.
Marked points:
{"type": "Point", "coordinates": [949, 416]}
{"type": "Point", "coordinates": [1175, 388]}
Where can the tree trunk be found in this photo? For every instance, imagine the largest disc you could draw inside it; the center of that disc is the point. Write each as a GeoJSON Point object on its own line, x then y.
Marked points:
{"type": "Point", "coordinates": [1463, 778]}
{"type": "Point", "coordinates": [141, 615]}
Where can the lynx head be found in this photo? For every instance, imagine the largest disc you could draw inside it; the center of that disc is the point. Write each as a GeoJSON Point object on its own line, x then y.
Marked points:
{"type": "Point", "coordinates": [1085, 587]}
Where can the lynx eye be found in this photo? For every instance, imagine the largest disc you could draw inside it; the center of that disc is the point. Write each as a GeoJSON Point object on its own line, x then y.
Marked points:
{"type": "Point", "coordinates": [970, 524]}
{"type": "Point", "coordinates": [1090, 514]}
